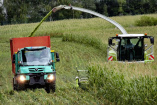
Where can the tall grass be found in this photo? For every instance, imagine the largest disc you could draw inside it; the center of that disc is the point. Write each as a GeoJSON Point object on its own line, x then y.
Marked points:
{"type": "Point", "coordinates": [88, 40]}
{"type": "Point", "coordinates": [146, 21]}
{"type": "Point", "coordinates": [114, 87]}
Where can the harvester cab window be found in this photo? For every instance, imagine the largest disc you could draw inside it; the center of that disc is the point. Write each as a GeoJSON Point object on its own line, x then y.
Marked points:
{"type": "Point", "coordinates": [129, 43]}
{"type": "Point", "coordinates": [138, 49]}
{"type": "Point", "coordinates": [115, 43]}
{"type": "Point", "coordinates": [131, 49]}
{"type": "Point", "coordinates": [147, 43]}
{"type": "Point", "coordinates": [113, 49]}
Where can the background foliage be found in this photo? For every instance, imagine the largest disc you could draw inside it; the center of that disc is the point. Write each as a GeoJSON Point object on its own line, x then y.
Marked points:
{"type": "Point", "coordinates": [26, 11]}
{"type": "Point", "coordinates": [146, 21]}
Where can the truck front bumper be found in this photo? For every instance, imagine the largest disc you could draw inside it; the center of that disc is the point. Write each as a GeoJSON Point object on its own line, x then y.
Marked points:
{"type": "Point", "coordinates": [36, 78]}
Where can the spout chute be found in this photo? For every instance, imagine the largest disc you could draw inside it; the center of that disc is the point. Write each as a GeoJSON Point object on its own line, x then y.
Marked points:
{"type": "Point", "coordinates": [55, 9]}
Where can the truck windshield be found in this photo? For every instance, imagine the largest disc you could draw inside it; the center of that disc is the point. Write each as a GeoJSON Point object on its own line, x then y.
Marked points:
{"type": "Point", "coordinates": [36, 56]}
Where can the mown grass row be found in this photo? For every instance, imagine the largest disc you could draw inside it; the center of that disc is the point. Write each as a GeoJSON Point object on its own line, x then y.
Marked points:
{"type": "Point", "coordinates": [87, 40]}
{"type": "Point", "coordinates": [113, 86]}
{"type": "Point", "coordinates": [82, 39]}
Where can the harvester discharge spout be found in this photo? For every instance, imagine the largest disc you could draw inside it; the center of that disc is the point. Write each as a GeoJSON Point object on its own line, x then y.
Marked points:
{"type": "Point", "coordinates": [57, 8]}
{"type": "Point", "coordinates": [93, 13]}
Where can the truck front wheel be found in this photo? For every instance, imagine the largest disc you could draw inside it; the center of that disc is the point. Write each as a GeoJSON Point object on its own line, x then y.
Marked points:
{"type": "Point", "coordinates": [18, 86]}
{"type": "Point", "coordinates": [50, 87]}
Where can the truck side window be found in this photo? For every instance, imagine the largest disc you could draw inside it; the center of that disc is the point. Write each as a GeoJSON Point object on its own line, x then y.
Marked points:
{"type": "Point", "coordinates": [23, 56]}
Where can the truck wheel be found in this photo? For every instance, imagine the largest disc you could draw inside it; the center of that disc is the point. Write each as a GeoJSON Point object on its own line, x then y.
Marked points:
{"type": "Point", "coordinates": [50, 87]}
{"type": "Point", "coordinates": [14, 85]}
{"type": "Point", "coordinates": [53, 87]}
{"type": "Point", "coordinates": [19, 86]}
{"type": "Point", "coordinates": [47, 88]}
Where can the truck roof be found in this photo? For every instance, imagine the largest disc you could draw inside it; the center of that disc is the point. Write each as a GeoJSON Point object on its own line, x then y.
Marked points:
{"type": "Point", "coordinates": [130, 35]}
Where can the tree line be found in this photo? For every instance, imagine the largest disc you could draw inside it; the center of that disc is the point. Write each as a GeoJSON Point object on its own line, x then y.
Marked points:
{"type": "Point", "coordinates": [28, 11]}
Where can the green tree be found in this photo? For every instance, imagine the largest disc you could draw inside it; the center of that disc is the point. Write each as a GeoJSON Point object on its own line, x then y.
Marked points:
{"type": "Point", "coordinates": [134, 7]}
{"type": "Point", "coordinates": [16, 11]}
{"type": "Point", "coordinates": [22, 11]}
{"type": "Point", "coordinates": [101, 7]}
{"type": "Point", "coordinates": [153, 6]}
{"type": "Point", "coordinates": [113, 7]}
{"type": "Point", "coordinates": [121, 3]}
{"type": "Point", "coordinates": [2, 13]}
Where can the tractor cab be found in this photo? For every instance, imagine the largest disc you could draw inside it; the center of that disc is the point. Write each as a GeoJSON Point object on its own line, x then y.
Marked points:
{"type": "Point", "coordinates": [131, 48]}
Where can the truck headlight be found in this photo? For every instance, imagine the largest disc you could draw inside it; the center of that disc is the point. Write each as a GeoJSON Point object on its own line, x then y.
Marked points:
{"type": "Point", "coordinates": [50, 77]}
{"type": "Point", "coordinates": [22, 78]}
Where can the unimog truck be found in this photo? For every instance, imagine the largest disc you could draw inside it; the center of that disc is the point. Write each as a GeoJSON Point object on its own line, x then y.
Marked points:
{"type": "Point", "coordinates": [33, 63]}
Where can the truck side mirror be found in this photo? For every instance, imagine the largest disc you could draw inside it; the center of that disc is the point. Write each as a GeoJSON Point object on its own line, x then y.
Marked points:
{"type": "Point", "coordinates": [20, 63]}
{"type": "Point", "coordinates": [13, 61]}
{"type": "Point", "coordinates": [50, 63]}
{"type": "Point", "coordinates": [110, 42]}
{"type": "Point", "coordinates": [57, 57]}
{"type": "Point", "coordinates": [152, 40]}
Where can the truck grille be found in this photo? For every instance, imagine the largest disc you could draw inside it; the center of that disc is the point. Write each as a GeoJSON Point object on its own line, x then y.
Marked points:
{"type": "Point", "coordinates": [36, 69]}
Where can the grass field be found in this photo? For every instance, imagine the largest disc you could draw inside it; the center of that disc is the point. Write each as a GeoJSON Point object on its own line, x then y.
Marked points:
{"type": "Point", "coordinates": [83, 43]}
